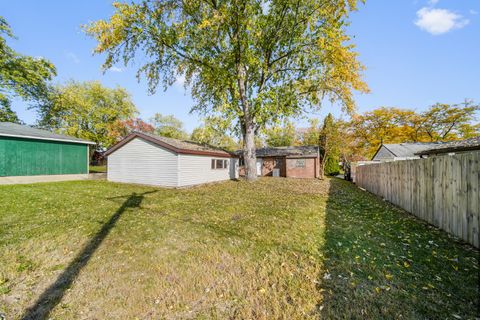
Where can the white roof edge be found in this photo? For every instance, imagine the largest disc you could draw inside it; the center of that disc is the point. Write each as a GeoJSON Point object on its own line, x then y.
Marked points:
{"type": "Point", "coordinates": [49, 139]}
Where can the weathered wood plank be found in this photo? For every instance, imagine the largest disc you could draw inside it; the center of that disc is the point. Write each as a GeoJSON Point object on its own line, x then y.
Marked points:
{"type": "Point", "coordinates": [442, 190]}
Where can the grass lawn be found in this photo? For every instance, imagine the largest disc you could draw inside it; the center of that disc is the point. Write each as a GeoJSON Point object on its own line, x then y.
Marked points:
{"type": "Point", "coordinates": [275, 249]}
{"type": "Point", "coordinates": [97, 169]}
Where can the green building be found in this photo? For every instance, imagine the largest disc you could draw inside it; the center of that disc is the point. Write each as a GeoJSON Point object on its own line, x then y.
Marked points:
{"type": "Point", "coordinates": [27, 151]}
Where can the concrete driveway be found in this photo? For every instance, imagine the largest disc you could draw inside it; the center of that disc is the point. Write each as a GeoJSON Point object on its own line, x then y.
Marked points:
{"type": "Point", "coordinates": [51, 178]}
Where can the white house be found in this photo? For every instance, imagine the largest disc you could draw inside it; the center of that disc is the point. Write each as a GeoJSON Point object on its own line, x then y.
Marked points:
{"type": "Point", "coordinates": [154, 160]}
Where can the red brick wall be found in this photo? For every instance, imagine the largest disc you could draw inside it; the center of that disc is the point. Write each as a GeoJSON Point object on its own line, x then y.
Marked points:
{"type": "Point", "coordinates": [309, 171]}
{"type": "Point", "coordinates": [288, 168]}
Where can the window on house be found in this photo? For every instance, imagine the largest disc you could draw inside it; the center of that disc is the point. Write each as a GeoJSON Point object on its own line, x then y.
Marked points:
{"type": "Point", "coordinates": [300, 163]}
{"type": "Point", "coordinates": [219, 164]}
{"type": "Point", "coordinates": [241, 162]}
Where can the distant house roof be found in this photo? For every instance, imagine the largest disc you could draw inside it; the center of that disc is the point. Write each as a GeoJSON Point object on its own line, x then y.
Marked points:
{"type": "Point", "coordinates": [9, 129]}
{"type": "Point", "coordinates": [174, 145]}
{"type": "Point", "coordinates": [453, 146]}
{"type": "Point", "coordinates": [406, 150]}
{"type": "Point", "coordinates": [296, 151]}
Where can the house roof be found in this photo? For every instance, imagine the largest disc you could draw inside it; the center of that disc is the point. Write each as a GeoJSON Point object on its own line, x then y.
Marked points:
{"type": "Point", "coordinates": [404, 150]}
{"type": "Point", "coordinates": [294, 151]}
{"type": "Point", "coordinates": [9, 129]}
{"type": "Point", "coordinates": [453, 146]}
{"type": "Point", "coordinates": [174, 145]}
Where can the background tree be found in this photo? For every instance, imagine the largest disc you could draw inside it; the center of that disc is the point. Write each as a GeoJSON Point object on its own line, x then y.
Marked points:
{"type": "Point", "coordinates": [281, 135]}
{"type": "Point", "coordinates": [443, 122]}
{"type": "Point", "coordinates": [310, 136]}
{"type": "Point", "coordinates": [255, 61]}
{"type": "Point", "coordinates": [168, 126]}
{"type": "Point", "coordinates": [332, 166]}
{"type": "Point", "coordinates": [22, 76]}
{"type": "Point", "coordinates": [124, 127]}
{"type": "Point", "coordinates": [138, 124]}
{"type": "Point", "coordinates": [329, 143]}
{"type": "Point", "coordinates": [7, 114]}
{"type": "Point", "coordinates": [468, 130]}
{"type": "Point", "coordinates": [383, 125]}
{"type": "Point", "coordinates": [344, 144]}
{"type": "Point", "coordinates": [87, 110]}
{"type": "Point", "coordinates": [350, 146]}
{"type": "Point", "coordinates": [214, 133]}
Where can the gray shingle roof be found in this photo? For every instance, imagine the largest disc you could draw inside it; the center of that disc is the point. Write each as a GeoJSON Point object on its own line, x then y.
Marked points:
{"type": "Point", "coordinates": [295, 151]}
{"type": "Point", "coordinates": [409, 149]}
{"type": "Point", "coordinates": [174, 145]}
{"type": "Point", "coordinates": [9, 129]}
{"type": "Point", "coordinates": [185, 144]}
{"type": "Point", "coordinates": [452, 146]}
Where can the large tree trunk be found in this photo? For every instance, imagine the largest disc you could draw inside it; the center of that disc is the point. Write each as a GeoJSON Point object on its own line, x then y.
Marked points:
{"type": "Point", "coordinates": [249, 155]}
{"type": "Point", "coordinates": [248, 129]}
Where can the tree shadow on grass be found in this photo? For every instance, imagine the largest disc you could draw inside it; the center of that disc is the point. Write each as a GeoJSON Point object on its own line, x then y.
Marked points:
{"type": "Point", "coordinates": [383, 263]}
{"type": "Point", "coordinates": [54, 294]}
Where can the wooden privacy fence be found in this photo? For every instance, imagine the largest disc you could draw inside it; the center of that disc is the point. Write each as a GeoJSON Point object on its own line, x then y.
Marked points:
{"type": "Point", "coordinates": [442, 190]}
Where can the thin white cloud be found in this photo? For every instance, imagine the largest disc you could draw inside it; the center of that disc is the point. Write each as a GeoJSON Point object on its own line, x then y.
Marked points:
{"type": "Point", "coordinates": [439, 21]}
{"type": "Point", "coordinates": [473, 11]}
{"type": "Point", "coordinates": [432, 2]}
{"type": "Point", "coordinates": [115, 69]}
{"type": "Point", "coordinates": [73, 57]}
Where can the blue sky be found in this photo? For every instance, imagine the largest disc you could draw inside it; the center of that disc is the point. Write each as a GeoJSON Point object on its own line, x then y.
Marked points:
{"type": "Point", "coordinates": [417, 52]}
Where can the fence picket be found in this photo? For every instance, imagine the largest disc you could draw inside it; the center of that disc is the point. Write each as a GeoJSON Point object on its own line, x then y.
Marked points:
{"type": "Point", "coordinates": [442, 190]}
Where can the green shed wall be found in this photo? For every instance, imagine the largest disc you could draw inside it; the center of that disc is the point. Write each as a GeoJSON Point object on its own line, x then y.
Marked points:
{"type": "Point", "coordinates": [28, 157]}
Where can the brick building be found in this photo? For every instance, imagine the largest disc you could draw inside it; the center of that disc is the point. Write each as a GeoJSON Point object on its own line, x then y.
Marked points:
{"type": "Point", "coordinates": [293, 162]}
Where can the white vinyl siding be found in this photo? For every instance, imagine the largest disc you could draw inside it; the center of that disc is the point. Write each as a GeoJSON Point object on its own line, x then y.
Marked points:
{"type": "Point", "coordinates": [384, 155]}
{"type": "Point", "coordinates": [143, 162]}
{"type": "Point", "coordinates": [194, 169]}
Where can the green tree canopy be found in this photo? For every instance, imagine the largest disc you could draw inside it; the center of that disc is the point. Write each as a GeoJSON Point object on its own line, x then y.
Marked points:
{"type": "Point", "coordinates": [442, 122]}
{"type": "Point", "coordinates": [7, 114]}
{"type": "Point", "coordinates": [256, 61]}
{"type": "Point", "coordinates": [20, 75]}
{"type": "Point", "coordinates": [214, 132]}
{"type": "Point", "coordinates": [332, 167]}
{"type": "Point", "coordinates": [168, 126]}
{"type": "Point", "coordinates": [281, 135]}
{"type": "Point", "coordinates": [311, 135]}
{"type": "Point", "coordinates": [87, 110]}
{"type": "Point", "coordinates": [330, 142]}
